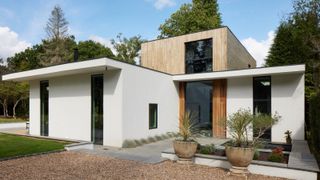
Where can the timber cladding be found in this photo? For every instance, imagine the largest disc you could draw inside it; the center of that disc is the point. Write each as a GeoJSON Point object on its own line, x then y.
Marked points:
{"type": "Point", "coordinates": [168, 55]}
{"type": "Point", "coordinates": [219, 108]}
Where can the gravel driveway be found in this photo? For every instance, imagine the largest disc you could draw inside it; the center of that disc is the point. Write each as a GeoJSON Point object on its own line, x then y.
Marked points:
{"type": "Point", "coordinates": [76, 165]}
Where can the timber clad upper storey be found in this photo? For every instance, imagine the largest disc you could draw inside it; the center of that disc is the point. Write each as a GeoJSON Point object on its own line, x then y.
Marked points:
{"type": "Point", "coordinates": [221, 50]}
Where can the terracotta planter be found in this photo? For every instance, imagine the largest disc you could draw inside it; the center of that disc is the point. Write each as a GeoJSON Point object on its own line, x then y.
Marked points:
{"type": "Point", "coordinates": [239, 158]}
{"type": "Point", "coordinates": [185, 150]}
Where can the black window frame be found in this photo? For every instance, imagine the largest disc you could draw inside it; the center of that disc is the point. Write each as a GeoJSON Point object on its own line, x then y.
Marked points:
{"type": "Point", "coordinates": [151, 115]}
{"type": "Point", "coordinates": [185, 56]}
{"type": "Point", "coordinates": [267, 100]}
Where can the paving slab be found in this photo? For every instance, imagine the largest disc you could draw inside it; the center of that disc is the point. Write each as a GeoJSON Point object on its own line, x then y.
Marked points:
{"type": "Point", "coordinates": [148, 153]}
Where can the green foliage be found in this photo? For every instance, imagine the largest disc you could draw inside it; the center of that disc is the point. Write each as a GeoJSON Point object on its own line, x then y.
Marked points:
{"type": "Point", "coordinates": [90, 49]}
{"type": "Point", "coordinates": [297, 41]}
{"type": "Point", "coordinates": [198, 16]}
{"type": "Point", "coordinates": [128, 49]}
{"type": "Point", "coordinates": [26, 60]}
{"type": "Point", "coordinates": [207, 149]}
{"type": "Point", "coordinates": [187, 128]}
{"type": "Point", "coordinates": [315, 122]}
{"type": "Point", "coordinates": [276, 155]}
{"type": "Point", "coordinates": [240, 123]}
{"type": "Point", "coordinates": [12, 145]}
{"type": "Point", "coordinates": [58, 47]}
{"type": "Point", "coordinates": [57, 51]}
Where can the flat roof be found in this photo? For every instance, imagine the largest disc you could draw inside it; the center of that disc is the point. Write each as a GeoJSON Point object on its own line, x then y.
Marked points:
{"type": "Point", "coordinates": [101, 64]}
{"type": "Point", "coordinates": [72, 68]}
{"type": "Point", "coordinates": [61, 70]}
{"type": "Point", "coordinates": [290, 69]}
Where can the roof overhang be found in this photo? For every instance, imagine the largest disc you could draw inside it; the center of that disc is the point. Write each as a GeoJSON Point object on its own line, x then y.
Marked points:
{"type": "Point", "coordinates": [96, 65]}
{"type": "Point", "coordinates": [291, 69]}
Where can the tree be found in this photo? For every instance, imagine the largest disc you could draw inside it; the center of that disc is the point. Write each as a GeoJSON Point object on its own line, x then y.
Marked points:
{"type": "Point", "coordinates": [297, 41]}
{"type": "Point", "coordinates": [198, 16]}
{"type": "Point", "coordinates": [20, 93]}
{"type": "Point", "coordinates": [58, 43]}
{"type": "Point", "coordinates": [128, 49]}
{"type": "Point", "coordinates": [90, 49]}
{"type": "Point", "coordinates": [5, 90]}
{"type": "Point", "coordinates": [26, 60]}
{"type": "Point", "coordinates": [57, 25]}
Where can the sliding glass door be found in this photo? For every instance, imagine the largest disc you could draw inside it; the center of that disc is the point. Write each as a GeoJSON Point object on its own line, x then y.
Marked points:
{"type": "Point", "coordinates": [44, 105]}
{"type": "Point", "coordinates": [97, 109]}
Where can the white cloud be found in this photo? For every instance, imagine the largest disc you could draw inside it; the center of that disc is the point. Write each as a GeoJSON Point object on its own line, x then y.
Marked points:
{"type": "Point", "coordinates": [10, 43]}
{"type": "Point", "coordinates": [104, 41]}
{"type": "Point", "coordinates": [161, 4]}
{"type": "Point", "coordinates": [259, 49]}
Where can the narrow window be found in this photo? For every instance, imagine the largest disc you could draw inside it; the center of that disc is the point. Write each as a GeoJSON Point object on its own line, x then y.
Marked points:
{"type": "Point", "coordinates": [262, 100]}
{"type": "Point", "coordinates": [97, 109]}
{"type": "Point", "coordinates": [44, 108]}
{"type": "Point", "coordinates": [153, 116]}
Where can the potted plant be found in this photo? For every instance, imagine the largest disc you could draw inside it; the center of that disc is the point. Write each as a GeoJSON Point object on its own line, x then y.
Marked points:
{"type": "Point", "coordinates": [185, 145]}
{"type": "Point", "coordinates": [288, 137]}
{"type": "Point", "coordinates": [241, 150]}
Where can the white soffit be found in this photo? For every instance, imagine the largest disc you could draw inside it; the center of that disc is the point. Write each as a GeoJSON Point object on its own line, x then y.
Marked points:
{"type": "Point", "coordinates": [292, 69]}
{"type": "Point", "coordinates": [90, 66]}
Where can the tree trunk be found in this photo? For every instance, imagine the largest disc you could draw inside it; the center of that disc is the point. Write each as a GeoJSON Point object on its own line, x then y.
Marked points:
{"type": "Point", "coordinates": [14, 107]}
{"type": "Point", "coordinates": [5, 107]}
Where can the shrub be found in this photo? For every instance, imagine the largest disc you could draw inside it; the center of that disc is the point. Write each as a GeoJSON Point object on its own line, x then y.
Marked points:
{"type": "Point", "coordinates": [242, 122]}
{"type": "Point", "coordinates": [276, 155]}
{"type": "Point", "coordinates": [207, 149]}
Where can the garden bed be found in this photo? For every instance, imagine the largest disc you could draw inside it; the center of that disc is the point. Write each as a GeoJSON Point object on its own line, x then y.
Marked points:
{"type": "Point", "coordinates": [272, 152]}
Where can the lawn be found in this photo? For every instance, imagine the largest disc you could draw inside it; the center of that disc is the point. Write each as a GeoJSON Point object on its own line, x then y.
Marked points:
{"type": "Point", "coordinates": [13, 145]}
{"type": "Point", "coordinates": [9, 120]}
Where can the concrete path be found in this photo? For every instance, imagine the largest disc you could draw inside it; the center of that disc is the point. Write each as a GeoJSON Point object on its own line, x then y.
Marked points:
{"type": "Point", "coordinates": [149, 153]}
{"type": "Point", "coordinates": [21, 131]}
{"type": "Point", "coordinates": [301, 157]}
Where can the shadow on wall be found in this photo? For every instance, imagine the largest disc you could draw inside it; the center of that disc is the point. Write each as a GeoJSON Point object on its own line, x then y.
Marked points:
{"type": "Point", "coordinates": [286, 85]}
{"type": "Point", "coordinates": [111, 81]}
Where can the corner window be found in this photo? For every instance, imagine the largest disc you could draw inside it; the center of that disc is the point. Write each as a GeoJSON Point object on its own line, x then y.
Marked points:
{"type": "Point", "coordinates": [153, 116]}
{"type": "Point", "coordinates": [198, 56]}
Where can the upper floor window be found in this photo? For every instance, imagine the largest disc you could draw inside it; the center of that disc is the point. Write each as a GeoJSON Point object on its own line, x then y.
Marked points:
{"type": "Point", "coordinates": [198, 56]}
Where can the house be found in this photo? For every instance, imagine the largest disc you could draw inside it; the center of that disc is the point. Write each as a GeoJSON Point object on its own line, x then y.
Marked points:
{"type": "Point", "coordinates": [208, 73]}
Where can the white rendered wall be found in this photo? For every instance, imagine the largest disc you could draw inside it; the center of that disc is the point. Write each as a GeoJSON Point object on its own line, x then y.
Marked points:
{"type": "Point", "coordinates": [34, 108]}
{"type": "Point", "coordinates": [70, 107]}
{"type": "Point", "coordinates": [287, 98]}
{"type": "Point", "coordinates": [239, 95]}
{"type": "Point", "coordinates": [287, 93]}
{"type": "Point", "coordinates": [141, 87]}
{"type": "Point", "coordinates": [112, 110]}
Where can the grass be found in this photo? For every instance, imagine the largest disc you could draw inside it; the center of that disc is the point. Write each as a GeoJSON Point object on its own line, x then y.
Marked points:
{"type": "Point", "coordinates": [13, 145]}
{"type": "Point", "coordinates": [9, 120]}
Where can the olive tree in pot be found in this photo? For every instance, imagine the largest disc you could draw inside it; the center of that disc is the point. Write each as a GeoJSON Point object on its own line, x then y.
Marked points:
{"type": "Point", "coordinates": [240, 150]}
{"type": "Point", "coordinates": [185, 145]}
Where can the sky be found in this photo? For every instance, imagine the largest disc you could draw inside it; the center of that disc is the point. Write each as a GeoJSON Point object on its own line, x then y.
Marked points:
{"type": "Point", "coordinates": [22, 22]}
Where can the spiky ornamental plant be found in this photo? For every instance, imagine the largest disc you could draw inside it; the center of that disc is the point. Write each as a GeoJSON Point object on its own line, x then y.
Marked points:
{"type": "Point", "coordinates": [187, 128]}
{"type": "Point", "coordinates": [243, 121]}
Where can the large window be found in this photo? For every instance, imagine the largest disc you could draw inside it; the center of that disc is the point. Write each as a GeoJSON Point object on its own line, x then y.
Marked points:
{"type": "Point", "coordinates": [44, 108]}
{"type": "Point", "coordinates": [97, 109]}
{"type": "Point", "coordinates": [198, 101]}
{"type": "Point", "coordinates": [153, 116]}
{"type": "Point", "coordinates": [198, 56]}
{"type": "Point", "coordinates": [262, 99]}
